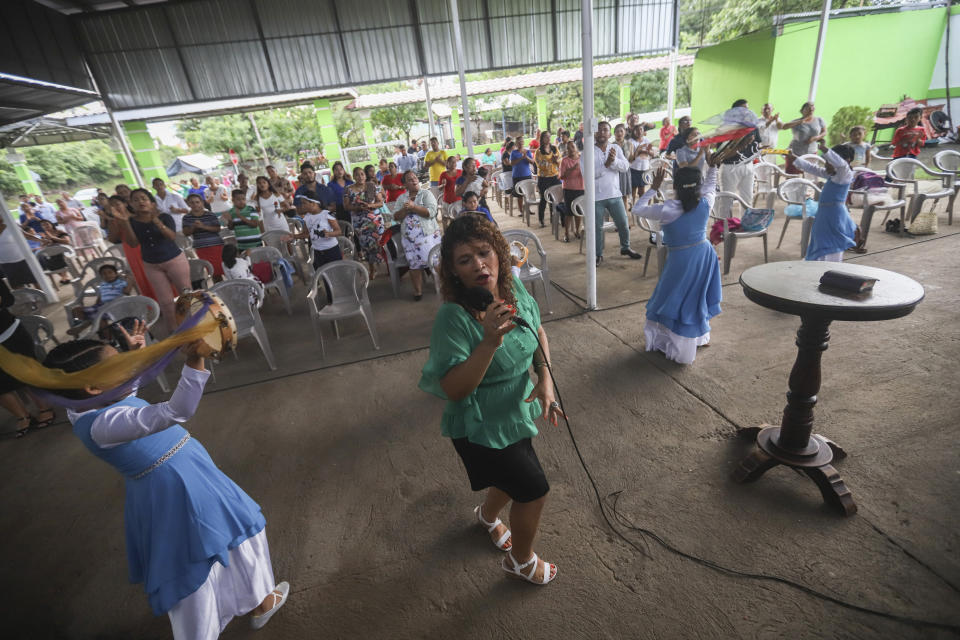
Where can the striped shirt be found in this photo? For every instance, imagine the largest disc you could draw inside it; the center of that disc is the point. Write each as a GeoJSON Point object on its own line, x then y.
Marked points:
{"type": "Point", "coordinates": [201, 237]}
{"type": "Point", "coordinates": [247, 236]}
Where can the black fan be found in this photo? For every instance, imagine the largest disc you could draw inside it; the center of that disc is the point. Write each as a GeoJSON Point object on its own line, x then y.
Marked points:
{"type": "Point", "coordinates": [940, 121]}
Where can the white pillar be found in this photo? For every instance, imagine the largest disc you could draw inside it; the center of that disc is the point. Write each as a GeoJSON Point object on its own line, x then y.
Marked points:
{"type": "Point", "coordinates": [672, 84]}
{"type": "Point", "coordinates": [458, 45]}
{"type": "Point", "coordinates": [13, 227]}
{"type": "Point", "coordinates": [589, 172]}
{"type": "Point", "coordinates": [426, 91]}
{"type": "Point", "coordinates": [821, 40]}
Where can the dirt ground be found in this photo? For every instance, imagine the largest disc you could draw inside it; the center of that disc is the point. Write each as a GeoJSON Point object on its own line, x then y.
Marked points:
{"type": "Point", "coordinates": [369, 510]}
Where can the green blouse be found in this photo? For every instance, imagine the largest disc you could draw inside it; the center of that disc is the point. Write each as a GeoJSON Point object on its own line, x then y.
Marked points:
{"type": "Point", "coordinates": [495, 414]}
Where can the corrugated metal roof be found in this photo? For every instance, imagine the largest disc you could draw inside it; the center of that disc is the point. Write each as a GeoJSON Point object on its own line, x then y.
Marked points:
{"type": "Point", "coordinates": [513, 83]}
{"type": "Point", "coordinates": [181, 51]}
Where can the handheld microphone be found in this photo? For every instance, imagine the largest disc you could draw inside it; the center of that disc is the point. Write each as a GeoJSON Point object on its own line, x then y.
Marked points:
{"type": "Point", "coordinates": [479, 299]}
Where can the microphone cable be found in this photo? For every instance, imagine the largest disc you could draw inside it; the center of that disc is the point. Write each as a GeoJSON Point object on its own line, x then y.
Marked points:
{"type": "Point", "coordinates": [710, 564]}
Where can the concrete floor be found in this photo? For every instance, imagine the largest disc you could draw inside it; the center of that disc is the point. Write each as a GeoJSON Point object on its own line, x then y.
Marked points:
{"type": "Point", "coordinates": [369, 511]}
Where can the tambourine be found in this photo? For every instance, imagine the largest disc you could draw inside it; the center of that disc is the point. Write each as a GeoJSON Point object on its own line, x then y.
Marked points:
{"type": "Point", "coordinates": [519, 252]}
{"type": "Point", "coordinates": [221, 339]}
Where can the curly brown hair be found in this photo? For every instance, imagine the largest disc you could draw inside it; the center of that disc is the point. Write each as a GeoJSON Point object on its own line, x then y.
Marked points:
{"type": "Point", "coordinates": [473, 228]}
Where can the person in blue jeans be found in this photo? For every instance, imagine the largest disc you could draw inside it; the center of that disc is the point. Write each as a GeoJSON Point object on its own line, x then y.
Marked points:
{"type": "Point", "coordinates": [609, 162]}
{"type": "Point", "coordinates": [521, 160]}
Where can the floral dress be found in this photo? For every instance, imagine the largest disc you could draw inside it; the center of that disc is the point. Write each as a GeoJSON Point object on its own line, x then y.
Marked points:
{"type": "Point", "coordinates": [420, 234]}
{"type": "Point", "coordinates": [368, 225]}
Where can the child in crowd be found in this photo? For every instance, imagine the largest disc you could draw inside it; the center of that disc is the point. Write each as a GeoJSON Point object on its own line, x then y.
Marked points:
{"type": "Point", "coordinates": [688, 155]}
{"type": "Point", "coordinates": [861, 148]}
{"type": "Point", "coordinates": [471, 180]}
{"type": "Point", "coordinates": [244, 221]}
{"type": "Point", "coordinates": [235, 265]}
{"type": "Point", "coordinates": [204, 226]}
{"type": "Point", "coordinates": [111, 287]}
{"type": "Point", "coordinates": [639, 158]}
{"type": "Point", "coordinates": [471, 204]}
{"type": "Point", "coordinates": [909, 139]}
{"type": "Point", "coordinates": [448, 180]}
{"type": "Point", "coordinates": [322, 230]}
{"type": "Point", "coordinates": [834, 231]}
{"type": "Point", "coordinates": [194, 538]}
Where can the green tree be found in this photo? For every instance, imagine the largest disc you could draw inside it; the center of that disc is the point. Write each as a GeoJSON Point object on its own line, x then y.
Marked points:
{"type": "Point", "coordinates": [218, 135]}
{"type": "Point", "coordinates": [739, 17]}
{"type": "Point", "coordinates": [845, 119]}
{"type": "Point", "coordinates": [399, 120]}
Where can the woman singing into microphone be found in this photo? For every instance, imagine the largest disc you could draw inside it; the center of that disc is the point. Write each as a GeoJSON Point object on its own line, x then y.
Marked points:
{"type": "Point", "coordinates": [479, 362]}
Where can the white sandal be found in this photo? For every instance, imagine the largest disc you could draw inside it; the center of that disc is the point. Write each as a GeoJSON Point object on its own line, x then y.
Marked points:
{"type": "Point", "coordinates": [517, 570]}
{"type": "Point", "coordinates": [279, 599]}
{"type": "Point", "coordinates": [502, 544]}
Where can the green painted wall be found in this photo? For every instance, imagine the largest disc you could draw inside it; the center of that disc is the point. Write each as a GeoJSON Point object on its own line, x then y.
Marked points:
{"type": "Point", "coordinates": [866, 62]}
{"type": "Point", "coordinates": [730, 71]}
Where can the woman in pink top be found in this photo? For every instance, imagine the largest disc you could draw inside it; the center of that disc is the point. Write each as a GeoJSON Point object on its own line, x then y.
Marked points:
{"type": "Point", "coordinates": [572, 181]}
{"type": "Point", "coordinates": [68, 216]}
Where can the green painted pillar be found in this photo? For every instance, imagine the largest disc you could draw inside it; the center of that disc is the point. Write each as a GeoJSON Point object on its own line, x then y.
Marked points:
{"type": "Point", "coordinates": [542, 109]}
{"type": "Point", "coordinates": [328, 130]}
{"type": "Point", "coordinates": [624, 98]}
{"type": "Point", "coordinates": [369, 138]}
{"type": "Point", "coordinates": [145, 151]}
{"type": "Point", "coordinates": [128, 177]}
{"type": "Point", "coordinates": [455, 125]}
{"type": "Point", "coordinates": [19, 162]}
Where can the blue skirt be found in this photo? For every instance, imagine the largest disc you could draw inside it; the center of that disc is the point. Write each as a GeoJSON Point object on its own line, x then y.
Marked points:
{"type": "Point", "coordinates": [688, 293]}
{"type": "Point", "coordinates": [833, 231]}
{"type": "Point", "coordinates": [180, 519]}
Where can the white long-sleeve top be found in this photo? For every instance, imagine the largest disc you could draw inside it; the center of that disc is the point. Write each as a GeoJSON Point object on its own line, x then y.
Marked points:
{"type": "Point", "coordinates": [843, 174]}
{"type": "Point", "coordinates": [672, 209]}
{"type": "Point", "coordinates": [606, 179]}
{"type": "Point", "coordinates": [117, 425]}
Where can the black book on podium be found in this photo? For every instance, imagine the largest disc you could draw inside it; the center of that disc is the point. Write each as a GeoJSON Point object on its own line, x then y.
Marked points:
{"type": "Point", "coordinates": [847, 282]}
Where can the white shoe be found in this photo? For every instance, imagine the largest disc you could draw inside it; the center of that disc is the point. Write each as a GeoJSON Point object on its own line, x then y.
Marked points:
{"type": "Point", "coordinates": [257, 622]}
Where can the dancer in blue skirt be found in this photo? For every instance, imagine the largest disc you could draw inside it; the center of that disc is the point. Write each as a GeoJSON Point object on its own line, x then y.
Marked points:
{"type": "Point", "coordinates": [688, 292]}
{"type": "Point", "coordinates": [194, 538]}
{"type": "Point", "coordinates": [834, 231]}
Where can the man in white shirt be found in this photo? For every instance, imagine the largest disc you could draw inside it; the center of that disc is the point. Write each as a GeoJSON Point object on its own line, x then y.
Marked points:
{"type": "Point", "coordinates": [243, 182]}
{"type": "Point", "coordinates": [609, 163]}
{"type": "Point", "coordinates": [170, 202]}
{"type": "Point", "coordinates": [217, 196]}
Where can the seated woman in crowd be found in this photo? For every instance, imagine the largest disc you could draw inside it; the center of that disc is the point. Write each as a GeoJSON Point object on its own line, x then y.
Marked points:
{"type": "Point", "coordinates": [688, 293]}
{"type": "Point", "coordinates": [417, 212]}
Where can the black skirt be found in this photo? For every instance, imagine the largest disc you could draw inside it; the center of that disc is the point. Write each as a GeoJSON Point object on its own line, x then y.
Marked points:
{"type": "Point", "coordinates": [515, 469]}
{"type": "Point", "coordinates": [20, 342]}
{"type": "Point", "coordinates": [18, 274]}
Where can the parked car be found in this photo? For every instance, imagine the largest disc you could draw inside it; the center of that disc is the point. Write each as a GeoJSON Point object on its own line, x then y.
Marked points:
{"type": "Point", "coordinates": [86, 196]}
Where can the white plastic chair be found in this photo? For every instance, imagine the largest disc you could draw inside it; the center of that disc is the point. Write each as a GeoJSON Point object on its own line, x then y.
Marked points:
{"type": "Point", "coordinates": [243, 298]}
{"type": "Point", "coordinates": [433, 266]}
{"type": "Point", "coordinates": [903, 170]}
{"type": "Point", "coordinates": [87, 240]}
{"type": "Point", "coordinates": [41, 330]}
{"type": "Point", "coordinates": [347, 248]}
{"type": "Point", "coordinates": [28, 302]}
{"type": "Point", "coordinates": [767, 178]}
{"type": "Point", "coordinates": [142, 307]}
{"type": "Point", "coordinates": [730, 238]}
{"type": "Point", "coordinates": [201, 271]}
{"type": "Point", "coordinates": [115, 250]}
{"type": "Point", "coordinates": [186, 245]}
{"type": "Point", "coordinates": [346, 282]}
{"type": "Point", "coordinates": [68, 257]}
{"type": "Point", "coordinates": [528, 189]}
{"type": "Point", "coordinates": [273, 256]}
{"type": "Point", "coordinates": [229, 237]}
{"type": "Point", "coordinates": [529, 272]}
{"type": "Point", "coordinates": [577, 206]}
{"type": "Point", "coordinates": [794, 191]}
{"type": "Point", "coordinates": [395, 264]}
{"type": "Point", "coordinates": [282, 241]}
{"type": "Point", "coordinates": [554, 196]}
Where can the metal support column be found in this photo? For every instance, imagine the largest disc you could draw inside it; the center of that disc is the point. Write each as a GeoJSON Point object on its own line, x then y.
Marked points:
{"type": "Point", "coordinates": [458, 44]}
{"type": "Point", "coordinates": [432, 132]}
{"type": "Point", "coordinates": [821, 40]}
{"type": "Point", "coordinates": [589, 171]}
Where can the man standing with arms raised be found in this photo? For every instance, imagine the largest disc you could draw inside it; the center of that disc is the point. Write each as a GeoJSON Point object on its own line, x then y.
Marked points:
{"type": "Point", "coordinates": [609, 163]}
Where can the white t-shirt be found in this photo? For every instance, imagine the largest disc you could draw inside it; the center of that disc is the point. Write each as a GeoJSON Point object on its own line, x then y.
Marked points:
{"type": "Point", "coordinates": [640, 163]}
{"type": "Point", "coordinates": [240, 270]}
{"type": "Point", "coordinates": [476, 186]}
{"type": "Point", "coordinates": [218, 206]}
{"type": "Point", "coordinates": [317, 222]}
{"type": "Point", "coordinates": [271, 212]}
